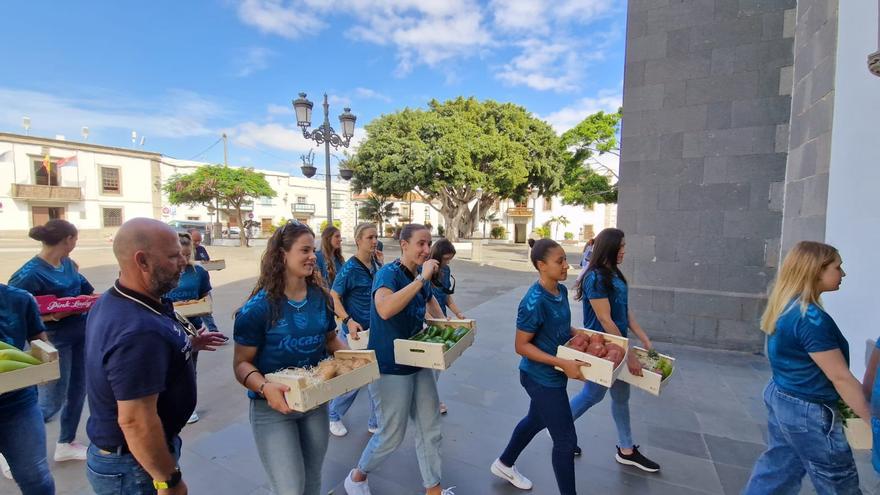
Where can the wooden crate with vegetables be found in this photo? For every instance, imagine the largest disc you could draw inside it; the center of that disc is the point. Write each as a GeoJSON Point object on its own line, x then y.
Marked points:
{"type": "Point", "coordinates": [20, 369]}
{"type": "Point", "coordinates": [603, 355]}
{"type": "Point", "coordinates": [361, 343]}
{"type": "Point", "coordinates": [195, 307]}
{"type": "Point", "coordinates": [858, 433]}
{"type": "Point", "coordinates": [213, 265]}
{"type": "Point", "coordinates": [311, 387]}
{"type": "Point", "coordinates": [657, 369]}
{"type": "Point", "coordinates": [437, 346]}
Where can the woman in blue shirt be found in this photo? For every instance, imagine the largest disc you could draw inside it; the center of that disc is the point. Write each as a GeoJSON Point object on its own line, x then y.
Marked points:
{"type": "Point", "coordinates": [331, 247]}
{"type": "Point", "coordinates": [351, 293]}
{"type": "Point", "coordinates": [288, 321]}
{"type": "Point", "coordinates": [401, 295]}
{"type": "Point", "coordinates": [604, 294]}
{"type": "Point", "coordinates": [22, 432]}
{"type": "Point", "coordinates": [543, 322]}
{"type": "Point", "coordinates": [443, 287]}
{"type": "Point", "coordinates": [871, 387]}
{"type": "Point", "coordinates": [809, 358]}
{"type": "Point", "coordinates": [52, 272]}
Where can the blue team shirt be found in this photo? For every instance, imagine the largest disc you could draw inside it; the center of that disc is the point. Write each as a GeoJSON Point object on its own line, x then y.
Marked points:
{"type": "Point", "coordinates": [549, 318]}
{"type": "Point", "coordinates": [40, 279]}
{"type": "Point", "coordinates": [135, 348]}
{"type": "Point", "coordinates": [593, 286]}
{"type": "Point", "coordinates": [19, 323]}
{"type": "Point", "coordinates": [354, 284]}
{"type": "Point", "coordinates": [322, 264]}
{"type": "Point", "coordinates": [408, 322]}
{"type": "Point", "coordinates": [789, 348]}
{"type": "Point", "coordinates": [201, 254]}
{"type": "Point", "coordinates": [445, 283]}
{"type": "Point", "coordinates": [297, 339]}
{"type": "Point", "coordinates": [195, 283]}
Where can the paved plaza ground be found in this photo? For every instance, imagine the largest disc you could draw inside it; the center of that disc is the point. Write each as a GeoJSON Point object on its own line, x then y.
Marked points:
{"type": "Point", "coordinates": [706, 430]}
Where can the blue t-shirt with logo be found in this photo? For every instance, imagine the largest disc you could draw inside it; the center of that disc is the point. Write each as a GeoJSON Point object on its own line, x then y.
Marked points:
{"type": "Point", "coordinates": [354, 284]}
{"type": "Point", "coordinates": [322, 264]}
{"type": "Point", "coordinates": [201, 254]}
{"type": "Point", "coordinates": [135, 348]}
{"type": "Point", "coordinates": [40, 278]}
{"type": "Point", "coordinates": [297, 339]}
{"type": "Point", "coordinates": [408, 322]}
{"type": "Point", "coordinates": [549, 318]}
{"type": "Point", "coordinates": [593, 285]}
{"type": "Point", "coordinates": [445, 279]}
{"type": "Point", "coordinates": [195, 283]}
{"type": "Point", "coordinates": [788, 348]}
{"type": "Point", "coordinates": [19, 323]}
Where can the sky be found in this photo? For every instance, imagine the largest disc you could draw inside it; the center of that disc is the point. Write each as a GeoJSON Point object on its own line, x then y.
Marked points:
{"type": "Point", "coordinates": [180, 74]}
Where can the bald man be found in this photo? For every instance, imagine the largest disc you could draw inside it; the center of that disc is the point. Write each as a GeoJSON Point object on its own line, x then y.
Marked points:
{"type": "Point", "coordinates": [139, 372]}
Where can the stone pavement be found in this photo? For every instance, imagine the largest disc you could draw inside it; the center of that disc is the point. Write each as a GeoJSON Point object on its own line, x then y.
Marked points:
{"type": "Point", "coordinates": [706, 429]}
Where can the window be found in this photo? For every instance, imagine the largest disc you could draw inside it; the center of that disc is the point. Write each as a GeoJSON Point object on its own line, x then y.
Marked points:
{"type": "Point", "coordinates": [110, 180]}
{"type": "Point", "coordinates": [301, 200]}
{"type": "Point", "coordinates": [336, 201]}
{"type": "Point", "coordinates": [548, 204]}
{"type": "Point", "coordinates": [192, 218]}
{"type": "Point", "coordinates": [112, 217]}
{"type": "Point", "coordinates": [43, 177]}
{"type": "Point", "coordinates": [266, 201]}
{"type": "Point", "coordinates": [404, 212]}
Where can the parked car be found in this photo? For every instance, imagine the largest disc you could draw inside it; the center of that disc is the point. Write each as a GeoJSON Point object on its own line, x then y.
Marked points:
{"type": "Point", "coordinates": [185, 225]}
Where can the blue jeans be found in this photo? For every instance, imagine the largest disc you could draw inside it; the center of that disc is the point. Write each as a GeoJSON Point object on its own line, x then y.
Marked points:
{"type": "Point", "coordinates": [68, 393]}
{"type": "Point", "coordinates": [120, 474]}
{"type": "Point", "coordinates": [548, 409]}
{"type": "Point", "coordinates": [399, 399]}
{"type": "Point", "coordinates": [23, 443]}
{"type": "Point", "coordinates": [291, 447]}
{"type": "Point", "coordinates": [340, 405]}
{"type": "Point", "coordinates": [593, 393]}
{"type": "Point", "coordinates": [803, 438]}
{"type": "Point", "coordinates": [208, 321]}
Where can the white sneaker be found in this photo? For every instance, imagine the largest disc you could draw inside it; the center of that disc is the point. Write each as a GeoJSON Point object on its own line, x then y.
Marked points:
{"type": "Point", "coordinates": [447, 491]}
{"type": "Point", "coordinates": [353, 487]}
{"type": "Point", "coordinates": [70, 452]}
{"type": "Point", "coordinates": [192, 419]}
{"type": "Point", "coordinates": [338, 429]}
{"type": "Point", "coordinates": [4, 466]}
{"type": "Point", "coordinates": [372, 429]}
{"type": "Point", "coordinates": [511, 474]}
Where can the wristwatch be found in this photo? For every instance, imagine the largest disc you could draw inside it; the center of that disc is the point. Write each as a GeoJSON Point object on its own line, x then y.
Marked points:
{"type": "Point", "coordinates": [170, 483]}
{"type": "Point", "coordinates": [420, 278]}
{"type": "Point", "coordinates": [346, 320]}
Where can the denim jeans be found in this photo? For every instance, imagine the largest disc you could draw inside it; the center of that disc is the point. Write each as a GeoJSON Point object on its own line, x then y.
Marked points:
{"type": "Point", "coordinates": [291, 447]}
{"type": "Point", "coordinates": [548, 409]}
{"type": "Point", "coordinates": [803, 438]}
{"type": "Point", "coordinates": [208, 321]}
{"type": "Point", "coordinates": [593, 393]}
{"type": "Point", "coordinates": [68, 393]}
{"type": "Point", "coordinates": [23, 443]}
{"type": "Point", "coordinates": [340, 405]}
{"type": "Point", "coordinates": [120, 474]}
{"type": "Point", "coordinates": [399, 399]}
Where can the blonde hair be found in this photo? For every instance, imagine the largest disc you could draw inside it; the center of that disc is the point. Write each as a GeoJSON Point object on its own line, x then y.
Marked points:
{"type": "Point", "coordinates": [359, 230]}
{"type": "Point", "coordinates": [798, 279]}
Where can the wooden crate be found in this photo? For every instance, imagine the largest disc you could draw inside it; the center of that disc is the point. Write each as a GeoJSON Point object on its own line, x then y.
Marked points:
{"type": "Point", "coordinates": [302, 397]}
{"type": "Point", "coordinates": [213, 265]}
{"type": "Point", "coordinates": [858, 434]}
{"type": "Point", "coordinates": [596, 369]}
{"type": "Point", "coordinates": [361, 343]}
{"type": "Point", "coordinates": [36, 374]}
{"type": "Point", "coordinates": [650, 381]}
{"type": "Point", "coordinates": [431, 355]}
{"type": "Point", "coordinates": [193, 308]}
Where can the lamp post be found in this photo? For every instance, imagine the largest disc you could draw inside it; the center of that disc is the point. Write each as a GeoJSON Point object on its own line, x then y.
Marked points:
{"type": "Point", "coordinates": [534, 195]}
{"type": "Point", "coordinates": [327, 136]}
{"type": "Point", "coordinates": [357, 205]}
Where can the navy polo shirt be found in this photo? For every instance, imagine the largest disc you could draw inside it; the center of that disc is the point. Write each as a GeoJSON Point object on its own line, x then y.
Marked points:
{"type": "Point", "coordinates": [201, 254]}
{"type": "Point", "coordinates": [19, 324]}
{"type": "Point", "coordinates": [354, 284]}
{"type": "Point", "coordinates": [135, 347]}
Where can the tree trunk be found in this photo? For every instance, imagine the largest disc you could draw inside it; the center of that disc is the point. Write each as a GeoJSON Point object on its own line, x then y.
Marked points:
{"type": "Point", "coordinates": [242, 240]}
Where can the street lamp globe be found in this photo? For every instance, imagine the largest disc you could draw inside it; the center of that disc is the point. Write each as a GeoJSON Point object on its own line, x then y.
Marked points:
{"type": "Point", "coordinates": [303, 108]}
{"type": "Point", "coordinates": [347, 119]}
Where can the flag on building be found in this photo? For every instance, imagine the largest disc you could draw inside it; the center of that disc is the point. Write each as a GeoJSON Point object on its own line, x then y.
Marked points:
{"type": "Point", "coordinates": [47, 164]}
{"type": "Point", "coordinates": [70, 160]}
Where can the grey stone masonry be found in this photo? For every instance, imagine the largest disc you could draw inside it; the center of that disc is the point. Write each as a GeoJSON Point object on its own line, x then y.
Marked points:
{"type": "Point", "coordinates": [706, 107]}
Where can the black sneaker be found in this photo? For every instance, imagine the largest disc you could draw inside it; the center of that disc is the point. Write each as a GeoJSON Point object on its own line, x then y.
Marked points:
{"type": "Point", "coordinates": [638, 460]}
{"type": "Point", "coordinates": [577, 451]}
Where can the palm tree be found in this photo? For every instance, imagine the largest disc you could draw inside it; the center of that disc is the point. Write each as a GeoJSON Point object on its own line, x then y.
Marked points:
{"type": "Point", "coordinates": [557, 221]}
{"type": "Point", "coordinates": [378, 209]}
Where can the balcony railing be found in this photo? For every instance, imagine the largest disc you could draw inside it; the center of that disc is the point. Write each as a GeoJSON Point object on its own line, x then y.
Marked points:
{"type": "Point", "coordinates": [46, 193]}
{"type": "Point", "coordinates": [520, 211]}
{"type": "Point", "coordinates": [302, 208]}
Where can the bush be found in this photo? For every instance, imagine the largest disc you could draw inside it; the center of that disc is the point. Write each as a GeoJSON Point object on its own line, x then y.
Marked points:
{"type": "Point", "coordinates": [498, 232]}
{"type": "Point", "coordinates": [441, 231]}
{"type": "Point", "coordinates": [542, 232]}
{"type": "Point", "coordinates": [389, 231]}
{"type": "Point", "coordinates": [336, 223]}
{"type": "Point", "coordinates": [569, 236]}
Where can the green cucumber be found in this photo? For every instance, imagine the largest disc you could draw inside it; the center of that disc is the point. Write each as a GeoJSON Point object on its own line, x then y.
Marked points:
{"type": "Point", "coordinates": [459, 333]}
{"type": "Point", "coordinates": [447, 333]}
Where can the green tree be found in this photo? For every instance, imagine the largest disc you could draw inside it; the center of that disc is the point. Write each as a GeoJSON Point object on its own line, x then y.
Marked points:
{"type": "Point", "coordinates": [449, 150]}
{"type": "Point", "coordinates": [229, 186]}
{"type": "Point", "coordinates": [557, 221]}
{"type": "Point", "coordinates": [587, 181]}
{"type": "Point", "coordinates": [378, 210]}
{"type": "Point", "coordinates": [336, 223]}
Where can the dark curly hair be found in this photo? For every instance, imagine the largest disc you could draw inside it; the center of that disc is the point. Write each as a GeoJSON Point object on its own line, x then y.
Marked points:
{"type": "Point", "coordinates": [55, 231]}
{"type": "Point", "coordinates": [604, 261]}
{"type": "Point", "coordinates": [273, 270]}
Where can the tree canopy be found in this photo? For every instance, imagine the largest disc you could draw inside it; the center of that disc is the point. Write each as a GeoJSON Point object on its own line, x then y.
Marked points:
{"type": "Point", "coordinates": [586, 180]}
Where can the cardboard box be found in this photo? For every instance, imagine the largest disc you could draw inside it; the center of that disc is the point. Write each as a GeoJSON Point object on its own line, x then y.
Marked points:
{"type": "Point", "coordinates": [213, 265]}
{"type": "Point", "coordinates": [650, 381]}
{"type": "Point", "coordinates": [431, 355]}
{"type": "Point", "coordinates": [302, 397]}
{"type": "Point", "coordinates": [858, 434]}
{"type": "Point", "coordinates": [49, 304]}
{"type": "Point", "coordinates": [197, 307]}
{"type": "Point", "coordinates": [361, 343]}
{"type": "Point", "coordinates": [596, 369]}
{"type": "Point", "coordinates": [36, 374]}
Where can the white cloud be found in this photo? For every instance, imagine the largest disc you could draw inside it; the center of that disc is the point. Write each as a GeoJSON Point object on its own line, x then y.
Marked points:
{"type": "Point", "coordinates": [253, 60]}
{"type": "Point", "coordinates": [274, 109]}
{"type": "Point", "coordinates": [544, 66]}
{"type": "Point", "coordinates": [568, 117]}
{"type": "Point", "coordinates": [520, 15]}
{"type": "Point", "coordinates": [287, 19]}
{"type": "Point", "coordinates": [369, 94]}
{"type": "Point", "coordinates": [280, 137]}
{"type": "Point", "coordinates": [176, 114]}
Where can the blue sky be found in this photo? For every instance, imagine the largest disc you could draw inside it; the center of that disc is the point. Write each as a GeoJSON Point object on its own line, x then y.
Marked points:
{"type": "Point", "coordinates": [182, 73]}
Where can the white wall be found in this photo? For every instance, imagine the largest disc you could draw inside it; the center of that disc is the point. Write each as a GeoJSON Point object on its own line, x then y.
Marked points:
{"type": "Point", "coordinates": [853, 215]}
